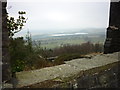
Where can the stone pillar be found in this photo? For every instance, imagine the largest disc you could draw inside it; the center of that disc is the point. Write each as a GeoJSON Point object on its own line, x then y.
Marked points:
{"type": "Point", "coordinates": [0, 43]}
{"type": "Point", "coordinates": [112, 43]}
{"type": "Point", "coordinates": [6, 76]}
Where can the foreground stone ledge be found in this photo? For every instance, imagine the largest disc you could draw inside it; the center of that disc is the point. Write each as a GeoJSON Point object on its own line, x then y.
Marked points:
{"type": "Point", "coordinates": [71, 68]}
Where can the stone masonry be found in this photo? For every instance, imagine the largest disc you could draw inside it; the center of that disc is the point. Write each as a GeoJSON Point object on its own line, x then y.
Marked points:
{"type": "Point", "coordinates": [5, 43]}
{"type": "Point", "coordinates": [112, 43]}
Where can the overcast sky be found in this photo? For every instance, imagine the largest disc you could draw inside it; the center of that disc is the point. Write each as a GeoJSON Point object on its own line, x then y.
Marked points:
{"type": "Point", "coordinates": [60, 15]}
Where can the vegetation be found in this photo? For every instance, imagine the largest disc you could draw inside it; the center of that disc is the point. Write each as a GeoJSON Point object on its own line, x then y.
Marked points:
{"type": "Point", "coordinates": [15, 26]}
{"type": "Point", "coordinates": [25, 56]}
{"type": "Point", "coordinates": [67, 57]}
{"type": "Point", "coordinates": [69, 52]}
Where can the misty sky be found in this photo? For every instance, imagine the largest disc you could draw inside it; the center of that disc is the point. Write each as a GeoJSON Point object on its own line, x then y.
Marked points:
{"type": "Point", "coordinates": [60, 15]}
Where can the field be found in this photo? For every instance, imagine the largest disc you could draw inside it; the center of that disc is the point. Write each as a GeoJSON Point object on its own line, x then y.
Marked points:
{"type": "Point", "coordinates": [57, 41]}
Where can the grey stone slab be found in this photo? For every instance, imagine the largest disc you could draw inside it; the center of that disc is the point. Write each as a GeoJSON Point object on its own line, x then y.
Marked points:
{"type": "Point", "coordinates": [66, 70]}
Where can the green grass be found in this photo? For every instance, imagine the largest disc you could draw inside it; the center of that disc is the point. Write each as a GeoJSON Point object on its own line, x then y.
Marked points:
{"type": "Point", "coordinates": [53, 43]}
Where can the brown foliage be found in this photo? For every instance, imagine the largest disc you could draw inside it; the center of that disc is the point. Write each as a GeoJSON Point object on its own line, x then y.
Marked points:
{"type": "Point", "coordinates": [84, 48]}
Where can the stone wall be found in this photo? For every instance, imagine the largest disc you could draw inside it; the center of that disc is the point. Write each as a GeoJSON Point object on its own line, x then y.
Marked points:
{"type": "Point", "coordinates": [102, 77]}
{"type": "Point", "coordinates": [95, 78]}
{"type": "Point", "coordinates": [112, 43]}
{"type": "Point", "coordinates": [5, 44]}
{"type": "Point", "coordinates": [78, 73]}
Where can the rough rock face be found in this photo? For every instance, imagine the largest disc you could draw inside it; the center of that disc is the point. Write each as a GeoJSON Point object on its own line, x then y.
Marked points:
{"type": "Point", "coordinates": [112, 43]}
{"type": "Point", "coordinates": [5, 55]}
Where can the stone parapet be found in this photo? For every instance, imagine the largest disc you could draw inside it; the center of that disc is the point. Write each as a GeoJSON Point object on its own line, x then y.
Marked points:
{"type": "Point", "coordinates": [78, 73]}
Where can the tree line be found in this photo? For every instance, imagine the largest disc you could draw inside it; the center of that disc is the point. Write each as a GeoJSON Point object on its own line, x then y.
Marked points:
{"type": "Point", "coordinates": [24, 56]}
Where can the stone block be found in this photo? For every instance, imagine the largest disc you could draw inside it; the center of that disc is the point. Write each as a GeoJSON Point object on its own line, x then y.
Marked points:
{"type": "Point", "coordinates": [5, 72]}
{"type": "Point", "coordinates": [87, 82]}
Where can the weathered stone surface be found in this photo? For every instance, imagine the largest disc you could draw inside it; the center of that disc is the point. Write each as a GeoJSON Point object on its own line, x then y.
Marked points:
{"type": "Point", "coordinates": [80, 67]}
{"type": "Point", "coordinates": [5, 40]}
{"type": "Point", "coordinates": [115, 14]}
{"type": "Point", "coordinates": [103, 79]}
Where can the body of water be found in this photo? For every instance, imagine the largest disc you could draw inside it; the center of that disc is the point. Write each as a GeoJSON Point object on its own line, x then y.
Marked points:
{"type": "Point", "coordinates": [69, 34]}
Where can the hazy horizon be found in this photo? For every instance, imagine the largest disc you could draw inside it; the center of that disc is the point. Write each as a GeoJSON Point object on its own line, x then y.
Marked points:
{"type": "Point", "coordinates": [46, 16]}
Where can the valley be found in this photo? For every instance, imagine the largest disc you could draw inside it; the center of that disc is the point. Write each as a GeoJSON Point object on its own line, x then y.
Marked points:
{"type": "Point", "coordinates": [50, 41]}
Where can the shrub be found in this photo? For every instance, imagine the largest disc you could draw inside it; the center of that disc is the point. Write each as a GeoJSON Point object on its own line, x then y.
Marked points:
{"type": "Point", "coordinates": [67, 57]}
{"type": "Point", "coordinates": [84, 48]}
{"type": "Point", "coordinates": [18, 66]}
{"type": "Point", "coordinates": [36, 61]}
